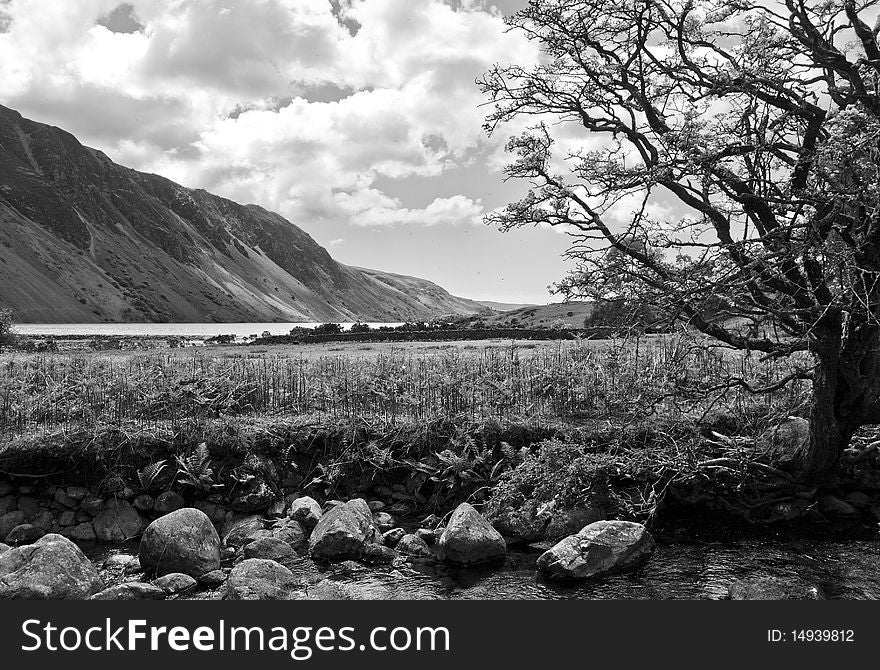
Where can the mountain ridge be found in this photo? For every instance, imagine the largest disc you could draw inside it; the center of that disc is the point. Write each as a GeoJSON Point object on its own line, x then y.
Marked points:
{"type": "Point", "coordinates": [83, 239]}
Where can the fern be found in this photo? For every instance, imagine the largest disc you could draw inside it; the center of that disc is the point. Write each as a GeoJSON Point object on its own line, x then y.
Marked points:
{"type": "Point", "coordinates": [147, 475]}
{"type": "Point", "coordinates": [196, 470]}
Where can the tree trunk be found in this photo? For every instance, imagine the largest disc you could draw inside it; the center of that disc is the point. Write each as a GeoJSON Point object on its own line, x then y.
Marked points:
{"type": "Point", "coordinates": [846, 396]}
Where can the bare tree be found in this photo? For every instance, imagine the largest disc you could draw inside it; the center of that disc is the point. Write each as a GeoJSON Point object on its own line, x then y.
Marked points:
{"type": "Point", "coordinates": [760, 122]}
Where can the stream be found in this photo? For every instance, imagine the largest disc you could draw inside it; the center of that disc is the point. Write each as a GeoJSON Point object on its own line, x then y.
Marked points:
{"type": "Point", "coordinates": [690, 562]}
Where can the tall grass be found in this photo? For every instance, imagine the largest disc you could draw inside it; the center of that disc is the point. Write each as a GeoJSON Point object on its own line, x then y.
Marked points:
{"type": "Point", "coordinates": [565, 381]}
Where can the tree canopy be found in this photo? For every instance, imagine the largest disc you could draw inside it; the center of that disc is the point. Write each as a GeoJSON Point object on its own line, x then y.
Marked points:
{"type": "Point", "coordinates": [756, 125]}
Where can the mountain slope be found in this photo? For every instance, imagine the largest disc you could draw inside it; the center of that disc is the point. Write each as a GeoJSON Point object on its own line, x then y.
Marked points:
{"type": "Point", "coordinates": [83, 239]}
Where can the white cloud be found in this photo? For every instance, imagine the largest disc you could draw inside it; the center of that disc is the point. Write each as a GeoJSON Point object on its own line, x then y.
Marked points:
{"type": "Point", "coordinates": [162, 99]}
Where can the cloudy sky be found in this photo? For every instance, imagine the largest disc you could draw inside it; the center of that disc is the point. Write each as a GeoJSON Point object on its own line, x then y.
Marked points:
{"type": "Point", "coordinates": [358, 120]}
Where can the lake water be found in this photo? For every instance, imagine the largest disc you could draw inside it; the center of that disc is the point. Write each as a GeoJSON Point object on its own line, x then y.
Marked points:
{"type": "Point", "coordinates": [169, 329]}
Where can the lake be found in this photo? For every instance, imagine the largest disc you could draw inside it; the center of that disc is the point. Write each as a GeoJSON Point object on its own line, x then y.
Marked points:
{"type": "Point", "coordinates": [168, 329]}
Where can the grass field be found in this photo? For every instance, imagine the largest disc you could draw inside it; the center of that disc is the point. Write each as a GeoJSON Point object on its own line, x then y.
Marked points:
{"type": "Point", "coordinates": [620, 380]}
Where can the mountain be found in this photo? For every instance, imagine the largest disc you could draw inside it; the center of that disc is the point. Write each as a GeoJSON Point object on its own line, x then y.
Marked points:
{"type": "Point", "coordinates": [83, 240]}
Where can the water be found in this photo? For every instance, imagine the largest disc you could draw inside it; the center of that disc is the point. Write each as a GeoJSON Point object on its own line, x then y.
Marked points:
{"type": "Point", "coordinates": [844, 562]}
{"type": "Point", "coordinates": [169, 329]}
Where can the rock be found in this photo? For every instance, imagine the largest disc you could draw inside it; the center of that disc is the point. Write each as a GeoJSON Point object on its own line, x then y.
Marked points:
{"type": "Point", "coordinates": [212, 579]}
{"type": "Point", "coordinates": [131, 591]}
{"type": "Point", "coordinates": [377, 554]}
{"type": "Point", "coordinates": [430, 522]}
{"type": "Point", "coordinates": [260, 579]}
{"type": "Point", "coordinates": [118, 522]}
{"type": "Point", "coordinates": [63, 499]}
{"type": "Point", "coordinates": [9, 521]}
{"type": "Point", "coordinates": [213, 511]}
{"type": "Point", "coordinates": [391, 537]}
{"type": "Point", "coordinates": [67, 518]}
{"type": "Point", "coordinates": [26, 533]}
{"type": "Point", "coordinates": [26, 489]}
{"type": "Point", "coordinates": [258, 496]}
{"type": "Point", "coordinates": [127, 563]}
{"type": "Point", "coordinates": [834, 506]}
{"type": "Point", "coordinates": [601, 547]}
{"type": "Point", "coordinates": [376, 505]}
{"type": "Point", "coordinates": [45, 521]}
{"type": "Point", "coordinates": [169, 501]}
{"type": "Point", "coordinates": [83, 532]}
{"type": "Point", "coordinates": [773, 588]}
{"type": "Point", "coordinates": [784, 443]}
{"type": "Point", "coordinates": [271, 548]}
{"type": "Point", "coordinates": [293, 533]}
{"type": "Point", "coordinates": [306, 510]}
{"type": "Point", "coordinates": [78, 493]}
{"type": "Point", "coordinates": [469, 539]}
{"type": "Point", "coordinates": [7, 505]}
{"type": "Point", "coordinates": [53, 568]}
{"type": "Point", "coordinates": [277, 509]}
{"type": "Point", "coordinates": [29, 506]}
{"type": "Point", "coordinates": [182, 541]}
{"type": "Point", "coordinates": [143, 502]}
{"type": "Point", "coordinates": [92, 505]}
{"type": "Point", "coordinates": [414, 546]}
{"type": "Point", "coordinates": [384, 521]}
{"type": "Point", "coordinates": [342, 532]}
{"type": "Point", "coordinates": [240, 530]}
{"type": "Point", "coordinates": [570, 521]}
{"type": "Point", "coordinates": [6, 488]}
{"type": "Point", "coordinates": [428, 536]}
{"type": "Point", "coordinates": [4, 547]}
{"type": "Point", "coordinates": [859, 499]}
{"type": "Point", "coordinates": [175, 582]}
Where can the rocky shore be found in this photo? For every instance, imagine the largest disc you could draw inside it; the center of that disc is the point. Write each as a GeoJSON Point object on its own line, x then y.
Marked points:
{"type": "Point", "coordinates": [280, 553]}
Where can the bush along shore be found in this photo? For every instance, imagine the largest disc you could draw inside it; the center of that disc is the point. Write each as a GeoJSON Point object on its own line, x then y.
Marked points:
{"type": "Point", "coordinates": [256, 508]}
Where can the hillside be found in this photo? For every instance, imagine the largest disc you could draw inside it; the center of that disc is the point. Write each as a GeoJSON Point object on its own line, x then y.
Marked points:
{"type": "Point", "coordinates": [566, 314]}
{"type": "Point", "coordinates": [83, 239]}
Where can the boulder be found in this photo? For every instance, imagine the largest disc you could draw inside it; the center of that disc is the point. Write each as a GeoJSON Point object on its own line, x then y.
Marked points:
{"type": "Point", "coordinates": [4, 547]}
{"type": "Point", "coordinates": [143, 502]}
{"type": "Point", "coordinates": [175, 582]}
{"type": "Point", "coordinates": [7, 504]}
{"type": "Point", "coordinates": [784, 443]}
{"type": "Point", "coordinates": [469, 539]}
{"type": "Point", "coordinates": [240, 530]}
{"type": "Point", "coordinates": [257, 497]}
{"type": "Point", "coordinates": [376, 505]}
{"type": "Point", "coordinates": [26, 533]}
{"type": "Point", "coordinates": [271, 548]}
{"type": "Point", "coordinates": [377, 554]}
{"type": "Point", "coordinates": [65, 500]}
{"type": "Point", "coordinates": [260, 579]}
{"type": "Point", "coordinates": [29, 505]}
{"type": "Point", "coordinates": [9, 521]}
{"type": "Point", "coordinates": [126, 563]}
{"type": "Point", "coordinates": [306, 510]}
{"type": "Point", "coordinates": [601, 547]}
{"type": "Point", "coordinates": [293, 533]}
{"type": "Point", "coordinates": [429, 536]}
{"type": "Point", "coordinates": [182, 541]}
{"type": "Point", "coordinates": [118, 521]}
{"type": "Point", "coordinates": [92, 505]}
{"type": "Point", "coordinates": [169, 501]}
{"type": "Point", "coordinates": [47, 522]}
{"type": "Point", "coordinates": [131, 591]}
{"type": "Point", "coordinates": [414, 546]}
{"type": "Point", "coordinates": [82, 532]}
{"type": "Point", "coordinates": [765, 587]}
{"type": "Point", "coordinates": [67, 518]}
{"type": "Point", "coordinates": [52, 568]}
{"type": "Point", "coordinates": [390, 538]}
{"type": "Point", "coordinates": [212, 579]}
{"type": "Point", "coordinates": [343, 531]}
{"type": "Point", "coordinates": [384, 521]}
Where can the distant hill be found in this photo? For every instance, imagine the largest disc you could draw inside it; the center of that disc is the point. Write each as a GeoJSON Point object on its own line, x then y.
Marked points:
{"type": "Point", "coordinates": [504, 306]}
{"type": "Point", "coordinates": [541, 316]}
{"type": "Point", "coordinates": [83, 239]}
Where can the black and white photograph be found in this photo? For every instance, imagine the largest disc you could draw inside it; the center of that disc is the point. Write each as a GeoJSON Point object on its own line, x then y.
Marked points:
{"type": "Point", "coordinates": [440, 300]}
